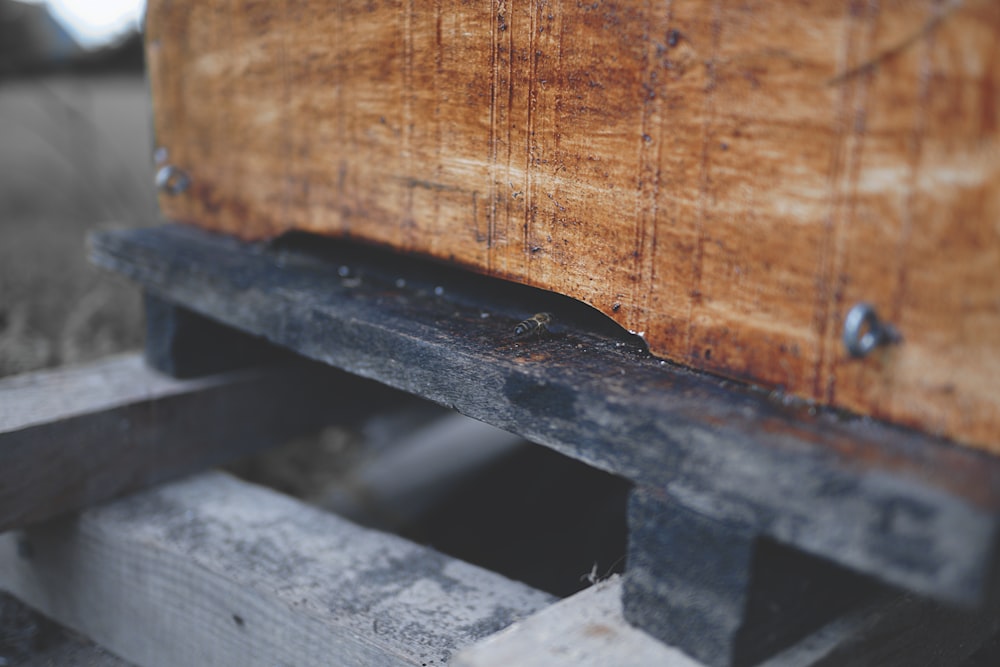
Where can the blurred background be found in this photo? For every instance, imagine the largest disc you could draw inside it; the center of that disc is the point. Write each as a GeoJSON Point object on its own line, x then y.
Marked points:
{"type": "Point", "coordinates": [75, 154]}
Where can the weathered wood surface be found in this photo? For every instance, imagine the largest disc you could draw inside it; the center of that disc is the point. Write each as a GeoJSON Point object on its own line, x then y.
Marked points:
{"type": "Point", "coordinates": [74, 437]}
{"type": "Point", "coordinates": [728, 178]}
{"type": "Point", "coordinates": [720, 592]}
{"type": "Point", "coordinates": [214, 571]}
{"type": "Point", "coordinates": [588, 630]}
{"type": "Point", "coordinates": [585, 630]}
{"type": "Point", "coordinates": [911, 509]}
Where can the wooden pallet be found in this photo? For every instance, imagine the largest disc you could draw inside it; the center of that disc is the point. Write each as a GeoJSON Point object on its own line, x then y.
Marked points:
{"type": "Point", "coordinates": [213, 570]}
{"type": "Point", "coordinates": [757, 526]}
{"type": "Point", "coordinates": [726, 476]}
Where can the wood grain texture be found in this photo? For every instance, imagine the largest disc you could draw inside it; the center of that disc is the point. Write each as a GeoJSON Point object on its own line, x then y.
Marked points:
{"type": "Point", "coordinates": [214, 571]}
{"type": "Point", "coordinates": [914, 510]}
{"type": "Point", "coordinates": [727, 178]}
{"type": "Point", "coordinates": [74, 437]}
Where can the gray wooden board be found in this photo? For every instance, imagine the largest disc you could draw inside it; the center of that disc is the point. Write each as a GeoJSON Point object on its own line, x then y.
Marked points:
{"type": "Point", "coordinates": [73, 437]}
{"type": "Point", "coordinates": [588, 629]}
{"type": "Point", "coordinates": [215, 571]}
{"type": "Point", "coordinates": [914, 510]}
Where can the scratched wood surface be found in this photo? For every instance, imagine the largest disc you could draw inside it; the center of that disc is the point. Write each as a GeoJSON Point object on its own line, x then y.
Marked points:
{"type": "Point", "coordinates": [214, 571]}
{"type": "Point", "coordinates": [727, 178]}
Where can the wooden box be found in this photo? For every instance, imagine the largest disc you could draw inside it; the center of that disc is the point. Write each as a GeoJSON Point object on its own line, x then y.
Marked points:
{"type": "Point", "coordinates": [728, 179]}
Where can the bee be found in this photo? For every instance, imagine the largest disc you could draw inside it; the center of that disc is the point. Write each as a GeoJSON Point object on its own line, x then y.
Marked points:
{"type": "Point", "coordinates": [536, 325]}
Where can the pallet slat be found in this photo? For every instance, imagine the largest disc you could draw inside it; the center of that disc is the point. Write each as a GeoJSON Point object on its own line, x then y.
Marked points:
{"type": "Point", "coordinates": [215, 571]}
{"type": "Point", "coordinates": [74, 437]}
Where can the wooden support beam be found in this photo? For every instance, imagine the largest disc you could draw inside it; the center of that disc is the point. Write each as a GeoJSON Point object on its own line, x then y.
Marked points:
{"type": "Point", "coordinates": [909, 508]}
{"type": "Point", "coordinates": [215, 571]}
{"type": "Point", "coordinates": [722, 593]}
{"type": "Point", "coordinates": [74, 437]}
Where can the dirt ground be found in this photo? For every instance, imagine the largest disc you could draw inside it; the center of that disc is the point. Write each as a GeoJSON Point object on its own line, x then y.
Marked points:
{"type": "Point", "coordinates": [75, 155]}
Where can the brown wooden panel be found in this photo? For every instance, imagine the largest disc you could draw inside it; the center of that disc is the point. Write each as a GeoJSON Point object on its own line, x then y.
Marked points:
{"type": "Point", "coordinates": [727, 178]}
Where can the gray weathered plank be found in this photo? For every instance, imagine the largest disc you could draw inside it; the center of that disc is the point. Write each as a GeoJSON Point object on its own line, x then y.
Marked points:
{"type": "Point", "coordinates": [73, 437]}
{"type": "Point", "coordinates": [215, 571]}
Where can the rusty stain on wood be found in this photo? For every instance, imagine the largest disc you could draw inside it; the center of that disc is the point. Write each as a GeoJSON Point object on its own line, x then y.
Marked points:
{"type": "Point", "coordinates": [727, 178]}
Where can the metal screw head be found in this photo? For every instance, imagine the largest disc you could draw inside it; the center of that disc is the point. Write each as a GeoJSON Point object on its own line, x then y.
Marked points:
{"type": "Point", "coordinates": [172, 180]}
{"type": "Point", "coordinates": [864, 331]}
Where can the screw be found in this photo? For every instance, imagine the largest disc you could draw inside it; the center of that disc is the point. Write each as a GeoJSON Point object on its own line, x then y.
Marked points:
{"type": "Point", "coordinates": [172, 180]}
{"type": "Point", "coordinates": [864, 331]}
